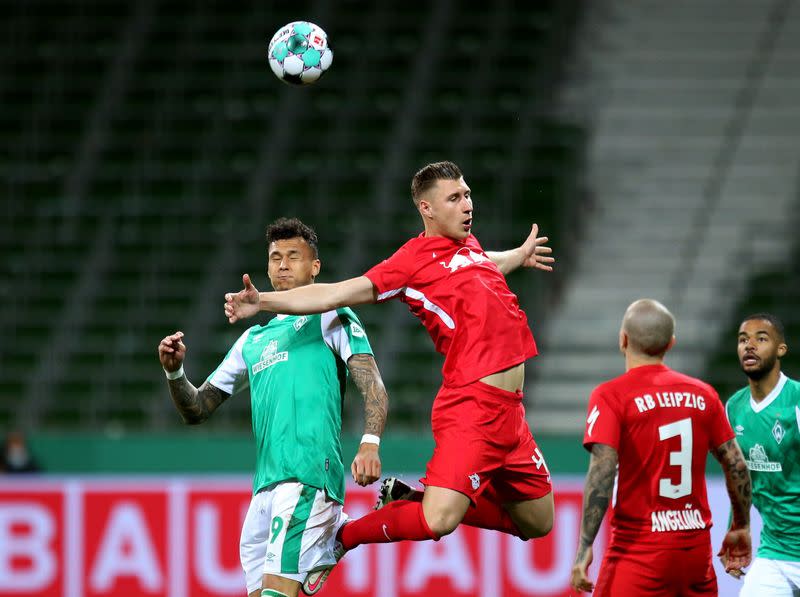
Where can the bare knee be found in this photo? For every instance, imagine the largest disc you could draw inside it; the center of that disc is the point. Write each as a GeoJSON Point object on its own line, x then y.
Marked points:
{"type": "Point", "coordinates": [443, 522]}
{"type": "Point", "coordinates": [443, 509]}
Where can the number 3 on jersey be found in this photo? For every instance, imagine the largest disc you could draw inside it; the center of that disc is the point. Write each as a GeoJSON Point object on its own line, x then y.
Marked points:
{"type": "Point", "coordinates": [681, 458]}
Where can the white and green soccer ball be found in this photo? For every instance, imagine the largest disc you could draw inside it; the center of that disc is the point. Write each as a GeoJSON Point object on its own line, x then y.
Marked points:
{"type": "Point", "coordinates": [299, 53]}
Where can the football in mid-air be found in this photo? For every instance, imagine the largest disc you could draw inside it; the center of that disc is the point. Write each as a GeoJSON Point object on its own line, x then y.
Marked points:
{"type": "Point", "coordinates": [299, 53]}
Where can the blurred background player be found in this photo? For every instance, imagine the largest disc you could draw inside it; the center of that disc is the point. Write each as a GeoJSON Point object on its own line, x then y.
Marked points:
{"type": "Point", "coordinates": [295, 367]}
{"type": "Point", "coordinates": [486, 469]}
{"type": "Point", "coordinates": [765, 416]}
{"type": "Point", "coordinates": [658, 425]}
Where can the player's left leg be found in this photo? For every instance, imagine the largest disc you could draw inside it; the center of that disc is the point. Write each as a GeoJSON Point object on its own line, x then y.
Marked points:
{"type": "Point", "coordinates": [279, 586]}
{"type": "Point", "coordinates": [533, 517]}
{"type": "Point", "coordinates": [631, 571]}
{"type": "Point", "coordinates": [772, 577]}
{"type": "Point", "coordinates": [523, 486]}
{"type": "Point", "coordinates": [697, 577]}
{"type": "Point", "coordinates": [300, 529]}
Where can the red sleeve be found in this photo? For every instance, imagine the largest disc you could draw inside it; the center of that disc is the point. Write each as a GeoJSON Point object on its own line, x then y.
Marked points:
{"type": "Point", "coordinates": [720, 428]}
{"type": "Point", "coordinates": [602, 422]}
{"type": "Point", "coordinates": [390, 276]}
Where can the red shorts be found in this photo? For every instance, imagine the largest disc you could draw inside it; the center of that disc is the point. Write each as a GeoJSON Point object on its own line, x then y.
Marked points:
{"type": "Point", "coordinates": [678, 572]}
{"type": "Point", "coordinates": [482, 438]}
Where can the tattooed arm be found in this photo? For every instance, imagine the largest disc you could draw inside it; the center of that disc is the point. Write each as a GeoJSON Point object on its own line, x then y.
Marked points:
{"type": "Point", "coordinates": [596, 496]}
{"type": "Point", "coordinates": [194, 405]}
{"type": "Point", "coordinates": [366, 466]}
{"type": "Point", "coordinates": [736, 551]}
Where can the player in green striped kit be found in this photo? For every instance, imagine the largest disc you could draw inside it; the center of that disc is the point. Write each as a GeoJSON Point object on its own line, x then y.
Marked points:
{"type": "Point", "coordinates": [765, 417]}
{"type": "Point", "coordinates": [296, 368]}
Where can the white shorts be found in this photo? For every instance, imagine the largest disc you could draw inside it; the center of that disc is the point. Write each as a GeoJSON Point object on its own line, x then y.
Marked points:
{"type": "Point", "coordinates": [288, 532]}
{"type": "Point", "coordinates": [775, 578]}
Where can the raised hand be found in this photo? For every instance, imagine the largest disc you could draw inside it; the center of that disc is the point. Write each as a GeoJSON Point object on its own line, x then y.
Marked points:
{"type": "Point", "coordinates": [244, 303]}
{"type": "Point", "coordinates": [172, 351]}
{"type": "Point", "coordinates": [736, 551]}
{"type": "Point", "coordinates": [537, 253]}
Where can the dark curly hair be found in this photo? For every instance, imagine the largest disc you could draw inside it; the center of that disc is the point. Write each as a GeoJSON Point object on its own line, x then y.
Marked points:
{"type": "Point", "coordinates": [773, 320]}
{"type": "Point", "coordinates": [285, 228]}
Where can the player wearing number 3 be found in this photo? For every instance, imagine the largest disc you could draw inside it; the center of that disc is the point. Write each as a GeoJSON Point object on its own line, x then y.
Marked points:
{"type": "Point", "coordinates": [658, 425]}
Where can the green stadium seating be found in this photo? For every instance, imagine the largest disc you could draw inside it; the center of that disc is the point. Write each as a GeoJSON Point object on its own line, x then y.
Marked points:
{"type": "Point", "coordinates": [140, 184]}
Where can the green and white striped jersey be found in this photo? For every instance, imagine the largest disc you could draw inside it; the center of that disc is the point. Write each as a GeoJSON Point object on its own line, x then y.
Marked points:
{"type": "Point", "coordinates": [296, 369]}
{"type": "Point", "coordinates": [769, 434]}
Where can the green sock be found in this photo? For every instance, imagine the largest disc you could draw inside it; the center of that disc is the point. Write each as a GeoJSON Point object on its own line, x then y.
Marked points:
{"type": "Point", "coordinates": [272, 593]}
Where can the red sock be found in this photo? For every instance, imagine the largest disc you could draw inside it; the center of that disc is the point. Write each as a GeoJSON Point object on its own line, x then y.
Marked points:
{"type": "Point", "coordinates": [396, 521]}
{"type": "Point", "coordinates": [489, 514]}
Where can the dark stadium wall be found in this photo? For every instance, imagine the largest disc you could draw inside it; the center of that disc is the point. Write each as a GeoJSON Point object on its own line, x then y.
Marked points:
{"type": "Point", "coordinates": [234, 453]}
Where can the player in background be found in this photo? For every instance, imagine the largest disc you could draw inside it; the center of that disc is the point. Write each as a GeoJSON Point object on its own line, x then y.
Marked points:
{"type": "Point", "coordinates": [765, 416]}
{"type": "Point", "coordinates": [486, 469]}
{"type": "Point", "coordinates": [296, 368]}
{"type": "Point", "coordinates": [649, 432]}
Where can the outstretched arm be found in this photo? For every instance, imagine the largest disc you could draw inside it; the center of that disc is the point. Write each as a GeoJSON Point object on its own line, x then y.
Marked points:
{"type": "Point", "coordinates": [736, 551]}
{"type": "Point", "coordinates": [194, 405]}
{"type": "Point", "coordinates": [596, 496]}
{"type": "Point", "coordinates": [532, 253]}
{"type": "Point", "coordinates": [304, 300]}
{"type": "Point", "coordinates": [366, 466]}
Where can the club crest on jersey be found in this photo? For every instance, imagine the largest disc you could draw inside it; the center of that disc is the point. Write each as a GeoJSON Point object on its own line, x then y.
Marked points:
{"type": "Point", "coordinates": [778, 432]}
{"type": "Point", "coordinates": [300, 322]}
{"type": "Point", "coordinates": [270, 356]}
{"type": "Point", "coordinates": [758, 461]}
{"type": "Point", "coordinates": [475, 480]}
{"type": "Point", "coordinates": [463, 258]}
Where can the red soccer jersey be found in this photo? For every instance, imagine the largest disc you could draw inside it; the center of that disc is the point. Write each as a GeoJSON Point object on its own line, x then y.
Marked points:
{"type": "Point", "coordinates": [463, 301]}
{"type": "Point", "coordinates": [662, 425]}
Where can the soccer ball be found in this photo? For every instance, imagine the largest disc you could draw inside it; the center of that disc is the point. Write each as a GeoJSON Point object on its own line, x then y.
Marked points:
{"type": "Point", "coordinates": [299, 53]}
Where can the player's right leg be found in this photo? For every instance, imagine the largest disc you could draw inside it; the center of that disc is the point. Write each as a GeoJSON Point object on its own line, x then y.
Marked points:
{"type": "Point", "coordinates": [772, 577]}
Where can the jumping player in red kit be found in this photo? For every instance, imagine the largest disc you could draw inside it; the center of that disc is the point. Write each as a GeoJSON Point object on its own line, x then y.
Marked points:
{"type": "Point", "coordinates": [486, 469]}
{"type": "Point", "coordinates": [658, 425]}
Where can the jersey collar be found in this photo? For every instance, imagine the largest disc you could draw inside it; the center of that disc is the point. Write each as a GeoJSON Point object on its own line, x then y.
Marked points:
{"type": "Point", "coordinates": [769, 398]}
